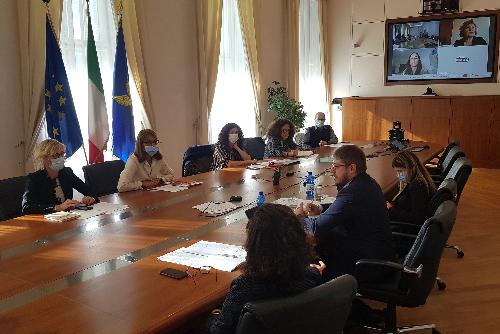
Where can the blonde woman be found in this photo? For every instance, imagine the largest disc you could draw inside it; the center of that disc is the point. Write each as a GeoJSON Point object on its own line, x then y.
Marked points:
{"type": "Point", "coordinates": [415, 189]}
{"type": "Point", "coordinates": [145, 168]}
{"type": "Point", "coordinates": [50, 188]}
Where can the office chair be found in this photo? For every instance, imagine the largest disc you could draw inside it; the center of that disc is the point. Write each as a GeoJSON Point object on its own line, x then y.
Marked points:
{"type": "Point", "coordinates": [322, 309]}
{"type": "Point", "coordinates": [197, 159]}
{"type": "Point", "coordinates": [102, 178]}
{"type": "Point", "coordinates": [255, 147]}
{"type": "Point", "coordinates": [11, 197]}
{"type": "Point", "coordinates": [439, 174]}
{"type": "Point", "coordinates": [432, 166]}
{"type": "Point", "coordinates": [460, 172]}
{"type": "Point", "coordinates": [409, 283]}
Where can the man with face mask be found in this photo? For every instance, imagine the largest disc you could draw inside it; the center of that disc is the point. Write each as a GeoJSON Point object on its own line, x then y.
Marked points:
{"type": "Point", "coordinates": [319, 134]}
{"type": "Point", "coordinates": [51, 187]}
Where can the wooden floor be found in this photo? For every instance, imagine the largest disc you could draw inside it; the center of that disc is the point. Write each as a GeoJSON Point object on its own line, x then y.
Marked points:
{"type": "Point", "coordinates": [471, 301]}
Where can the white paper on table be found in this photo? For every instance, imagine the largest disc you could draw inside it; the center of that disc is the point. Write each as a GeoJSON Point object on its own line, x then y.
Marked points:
{"type": "Point", "coordinates": [215, 208]}
{"type": "Point", "coordinates": [207, 254]}
{"type": "Point", "coordinates": [301, 154]}
{"type": "Point", "coordinates": [101, 208]}
{"type": "Point", "coordinates": [61, 216]}
{"type": "Point", "coordinates": [173, 188]}
{"type": "Point", "coordinates": [293, 202]}
{"type": "Point", "coordinates": [338, 145]}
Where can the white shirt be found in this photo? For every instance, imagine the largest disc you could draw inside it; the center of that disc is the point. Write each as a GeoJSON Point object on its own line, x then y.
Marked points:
{"type": "Point", "coordinates": [135, 172]}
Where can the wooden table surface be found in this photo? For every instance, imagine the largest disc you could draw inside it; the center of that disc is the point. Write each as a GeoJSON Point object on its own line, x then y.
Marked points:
{"type": "Point", "coordinates": [101, 275]}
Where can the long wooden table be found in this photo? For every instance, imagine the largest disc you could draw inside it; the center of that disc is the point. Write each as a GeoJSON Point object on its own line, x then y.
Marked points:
{"type": "Point", "coordinates": [101, 275]}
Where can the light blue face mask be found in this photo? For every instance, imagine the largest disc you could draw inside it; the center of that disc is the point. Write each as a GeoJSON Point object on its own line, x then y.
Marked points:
{"type": "Point", "coordinates": [401, 176]}
{"type": "Point", "coordinates": [151, 150]}
{"type": "Point", "coordinates": [57, 164]}
{"type": "Point", "coordinates": [320, 123]}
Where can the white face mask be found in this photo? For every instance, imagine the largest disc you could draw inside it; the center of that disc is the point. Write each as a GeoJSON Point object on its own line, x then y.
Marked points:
{"type": "Point", "coordinates": [233, 138]}
{"type": "Point", "coordinates": [57, 164]}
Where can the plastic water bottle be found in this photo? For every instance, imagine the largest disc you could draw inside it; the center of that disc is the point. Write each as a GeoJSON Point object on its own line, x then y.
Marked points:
{"type": "Point", "coordinates": [310, 186]}
{"type": "Point", "coordinates": [261, 199]}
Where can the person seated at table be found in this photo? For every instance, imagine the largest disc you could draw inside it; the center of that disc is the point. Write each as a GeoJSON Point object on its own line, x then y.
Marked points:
{"type": "Point", "coordinates": [228, 151]}
{"type": "Point", "coordinates": [280, 140]}
{"type": "Point", "coordinates": [277, 264]}
{"type": "Point", "coordinates": [415, 189]}
{"type": "Point", "coordinates": [50, 188]}
{"type": "Point", "coordinates": [355, 226]}
{"type": "Point", "coordinates": [319, 134]}
{"type": "Point", "coordinates": [145, 168]}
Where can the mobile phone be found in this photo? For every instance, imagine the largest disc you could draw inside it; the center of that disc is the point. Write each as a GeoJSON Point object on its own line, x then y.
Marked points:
{"type": "Point", "coordinates": [173, 273]}
{"type": "Point", "coordinates": [83, 207]}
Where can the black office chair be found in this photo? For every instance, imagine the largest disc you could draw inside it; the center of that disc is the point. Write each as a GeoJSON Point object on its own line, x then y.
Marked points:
{"type": "Point", "coordinates": [439, 174]}
{"type": "Point", "coordinates": [11, 197]}
{"type": "Point", "coordinates": [197, 159]}
{"type": "Point", "coordinates": [432, 166]}
{"type": "Point", "coordinates": [323, 309]}
{"type": "Point", "coordinates": [411, 282]}
{"type": "Point", "coordinates": [255, 147]}
{"type": "Point", "coordinates": [460, 172]}
{"type": "Point", "coordinates": [102, 178]}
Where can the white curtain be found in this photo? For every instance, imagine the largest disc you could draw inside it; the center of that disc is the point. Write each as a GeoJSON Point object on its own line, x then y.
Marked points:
{"type": "Point", "coordinates": [73, 43]}
{"type": "Point", "coordinates": [234, 99]}
{"type": "Point", "coordinates": [312, 92]}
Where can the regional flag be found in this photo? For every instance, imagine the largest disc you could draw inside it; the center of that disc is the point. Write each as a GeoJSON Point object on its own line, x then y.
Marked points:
{"type": "Point", "coordinates": [98, 117]}
{"type": "Point", "coordinates": [123, 119]}
{"type": "Point", "coordinates": [62, 122]}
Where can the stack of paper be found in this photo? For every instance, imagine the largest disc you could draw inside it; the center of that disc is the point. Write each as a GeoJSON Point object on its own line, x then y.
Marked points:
{"type": "Point", "coordinates": [207, 254]}
{"type": "Point", "coordinates": [101, 208]}
{"type": "Point", "coordinates": [293, 202]}
{"type": "Point", "coordinates": [215, 208]}
{"type": "Point", "coordinates": [173, 188]}
{"type": "Point", "coordinates": [301, 154]}
{"type": "Point", "coordinates": [61, 216]}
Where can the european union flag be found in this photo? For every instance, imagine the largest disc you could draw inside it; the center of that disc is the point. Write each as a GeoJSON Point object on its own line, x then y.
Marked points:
{"type": "Point", "coordinates": [62, 122]}
{"type": "Point", "coordinates": [123, 119]}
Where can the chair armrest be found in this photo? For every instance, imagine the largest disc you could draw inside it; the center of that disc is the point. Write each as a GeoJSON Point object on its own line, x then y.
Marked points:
{"type": "Point", "coordinates": [404, 235]}
{"type": "Point", "coordinates": [391, 265]}
{"type": "Point", "coordinates": [404, 224]}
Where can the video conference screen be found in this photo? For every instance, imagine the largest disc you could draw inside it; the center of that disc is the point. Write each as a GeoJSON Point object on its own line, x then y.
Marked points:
{"type": "Point", "coordinates": [455, 48]}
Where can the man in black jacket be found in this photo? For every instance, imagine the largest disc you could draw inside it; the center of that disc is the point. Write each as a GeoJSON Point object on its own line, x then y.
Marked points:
{"type": "Point", "coordinates": [355, 226]}
{"type": "Point", "coordinates": [319, 134]}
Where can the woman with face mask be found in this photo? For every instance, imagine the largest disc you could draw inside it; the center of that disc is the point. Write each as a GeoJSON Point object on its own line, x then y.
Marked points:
{"type": "Point", "coordinates": [280, 140]}
{"type": "Point", "coordinates": [50, 188]}
{"type": "Point", "coordinates": [415, 189]}
{"type": "Point", "coordinates": [228, 151]}
{"type": "Point", "coordinates": [145, 168]}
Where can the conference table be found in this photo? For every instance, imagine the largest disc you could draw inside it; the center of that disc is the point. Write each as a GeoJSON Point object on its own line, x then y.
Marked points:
{"type": "Point", "coordinates": [101, 274]}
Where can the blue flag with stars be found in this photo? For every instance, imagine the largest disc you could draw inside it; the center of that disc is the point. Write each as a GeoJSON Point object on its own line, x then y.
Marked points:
{"type": "Point", "coordinates": [62, 122]}
{"type": "Point", "coordinates": [123, 119]}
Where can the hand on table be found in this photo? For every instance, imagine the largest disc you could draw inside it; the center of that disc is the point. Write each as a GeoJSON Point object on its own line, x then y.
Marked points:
{"type": "Point", "coordinates": [66, 205]}
{"type": "Point", "coordinates": [87, 200]}
{"type": "Point", "coordinates": [321, 266]}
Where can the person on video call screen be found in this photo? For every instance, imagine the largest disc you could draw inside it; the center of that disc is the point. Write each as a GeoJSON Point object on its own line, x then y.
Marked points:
{"type": "Point", "coordinates": [468, 31]}
{"type": "Point", "coordinates": [414, 65]}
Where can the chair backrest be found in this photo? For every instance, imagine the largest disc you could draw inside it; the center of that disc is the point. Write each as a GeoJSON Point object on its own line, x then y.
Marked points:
{"type": "Point", "coordinates": [255, 147]}
{"type": "Point", "coordinates": [299, 138]}
{"type": "Point", "coordinates": [454, 142]}
{"type": "Point", "coordinates": [447, 191]}
{"type": "Point", "coordinates": [426, 251]}
{"type": "Point", "coordinates": [323, 309]}
{"type": "Point", "coordinates": [460, 172]}
{"type": "Point", "coordinates": [102, 178]}
{"type": "Point", "coordinates": [454, 153]}
{"type": "Point", "coordinates": [11, 197]}
{"type": "Point", "coordinates": [197, 159]}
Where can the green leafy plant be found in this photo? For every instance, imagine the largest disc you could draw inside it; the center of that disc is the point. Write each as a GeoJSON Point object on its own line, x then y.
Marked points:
{"type": "Point", "coordinates": [284, 106]}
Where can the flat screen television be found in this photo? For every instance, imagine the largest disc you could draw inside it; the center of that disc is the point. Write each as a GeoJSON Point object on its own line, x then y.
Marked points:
{"type": "Point", "coordinates": [459, 48]}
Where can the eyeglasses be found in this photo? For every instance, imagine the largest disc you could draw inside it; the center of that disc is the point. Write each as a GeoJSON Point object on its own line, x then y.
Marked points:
{"type": "Point", "coordinates": [334, 166]}
{"type": "Point", "coordinates": [195, 272]}
{"type": "Point", "coordinates": [152, 142]}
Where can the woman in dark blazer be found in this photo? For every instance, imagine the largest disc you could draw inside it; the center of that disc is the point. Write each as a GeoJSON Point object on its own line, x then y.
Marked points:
{"type": "Point", "coordinates": [277, 264]}
{"type": "Point", "coordinates": [415, 189]}
{"type": "Point", "coordinates": [51, 187]}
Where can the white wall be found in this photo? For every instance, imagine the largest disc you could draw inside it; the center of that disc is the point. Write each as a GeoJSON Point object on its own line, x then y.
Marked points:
{"type": "Point", "coordinates": [360, 71]}
{"type": "Point", "coordinates": [11, 152]}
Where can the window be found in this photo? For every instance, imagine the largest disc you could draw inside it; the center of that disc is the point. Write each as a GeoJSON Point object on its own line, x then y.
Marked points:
{"type": "Point", "coordinates": [234, 99]}
{"type": "Point", "coordinates": [312, 92]}
{"type": "Point", "coordinates": [73, 43]}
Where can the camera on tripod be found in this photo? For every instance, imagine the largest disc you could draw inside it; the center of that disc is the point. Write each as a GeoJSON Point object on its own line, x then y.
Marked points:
{"type": "Point", "coordinates": [397, 137]}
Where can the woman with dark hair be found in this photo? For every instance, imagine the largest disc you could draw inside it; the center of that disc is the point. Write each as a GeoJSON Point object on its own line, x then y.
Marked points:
{"type": "Point", "coordinates": [145, 167]}
{"type": "Point", "coordinates": [280, 140]}
{"type": "Point", "coordinates": [468, 31]}
{"type": "Point", "coordinates": [414, 65]}
{"type": "Point", "coordinates": [415, 189]}
{"type": "Point", "coordinates": [277, 264]}
{"type": "Point", "coordinates": [228, 150]}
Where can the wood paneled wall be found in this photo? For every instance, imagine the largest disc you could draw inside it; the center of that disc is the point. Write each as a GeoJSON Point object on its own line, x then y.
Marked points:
{"type": "Point", "coordinates": [474, 120]}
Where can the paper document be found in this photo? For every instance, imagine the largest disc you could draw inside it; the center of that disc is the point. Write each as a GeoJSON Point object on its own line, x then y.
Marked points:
{"type": "Point", "coordinates": [293, 202]}
{"type": "Point", "coordinates": [207, 254]}
{"type": "Point", "coordinates": [215, 208]}
{"type": "Point", "coordinates": [61, 216]}
{"type": "Point", "coordinates": [301, 154]}
{"type": "Point", "coordinates": [173, 188]}
{"type": "Point", "coordinates": [101, 208]}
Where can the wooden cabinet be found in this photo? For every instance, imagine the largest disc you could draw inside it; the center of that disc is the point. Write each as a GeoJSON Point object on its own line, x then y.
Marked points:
{"type": "Point", "coordinates": [474, 120]}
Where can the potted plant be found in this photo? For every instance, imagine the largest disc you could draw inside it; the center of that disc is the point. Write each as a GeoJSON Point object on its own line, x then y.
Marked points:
{"type": "Point", "coordinates": [284, 106]}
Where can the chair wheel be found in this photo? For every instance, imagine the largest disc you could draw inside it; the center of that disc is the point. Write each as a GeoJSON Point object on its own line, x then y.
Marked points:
{"type": "Point", "coordinates": [460, 254]}
{"type": "Point", "coordinates": [441, 285]}
{"type": "Point", "coordinates": [435, 331]}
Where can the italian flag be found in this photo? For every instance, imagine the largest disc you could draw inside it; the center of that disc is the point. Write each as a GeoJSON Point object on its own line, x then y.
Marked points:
{"type": "Point", "coordinates": [98, 117]}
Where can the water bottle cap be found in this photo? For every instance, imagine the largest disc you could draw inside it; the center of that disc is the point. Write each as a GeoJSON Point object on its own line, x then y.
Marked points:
{"type": "Point", "coordinates": [310, 173]}
{"type": "Point", "coordinates": [261, 193]}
